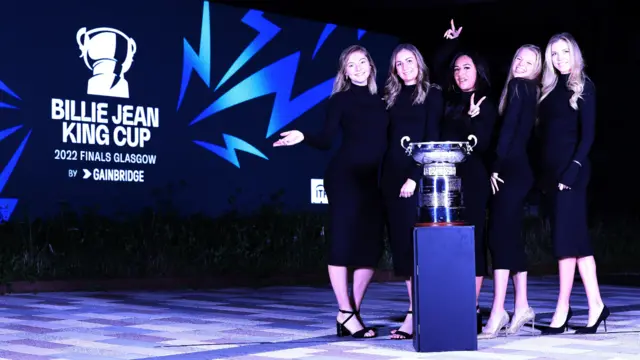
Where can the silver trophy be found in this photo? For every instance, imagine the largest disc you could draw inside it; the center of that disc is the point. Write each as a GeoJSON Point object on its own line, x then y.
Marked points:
{"type": "Point", "coordinates": [440, 200]}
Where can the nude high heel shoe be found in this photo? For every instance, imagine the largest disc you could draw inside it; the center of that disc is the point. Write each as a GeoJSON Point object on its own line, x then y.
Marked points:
{"type": "Point", "coordinates": [518, 322]}
{"type": "Point", "coordinates": [492, 332]}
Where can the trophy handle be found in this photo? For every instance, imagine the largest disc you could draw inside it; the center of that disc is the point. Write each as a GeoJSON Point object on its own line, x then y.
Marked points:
{"type": "Point", "coordinates": [475, 141]}
{"type": "Point", "coordinates": [402, 141]}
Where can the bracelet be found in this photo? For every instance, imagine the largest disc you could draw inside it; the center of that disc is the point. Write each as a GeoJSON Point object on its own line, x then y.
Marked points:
{"type": "Point", "coordinates": [577, 162]}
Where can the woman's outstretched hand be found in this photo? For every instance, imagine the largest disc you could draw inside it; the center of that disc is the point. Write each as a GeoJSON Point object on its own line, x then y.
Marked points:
{"type": "Point", "coordinates": [289, 138]}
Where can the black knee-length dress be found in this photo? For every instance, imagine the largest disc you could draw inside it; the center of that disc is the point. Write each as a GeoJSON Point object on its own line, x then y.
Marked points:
{"type": "Point", "coordinates": [420, 122]}
{"type": "Point", "coordinates": [566, 139]}
{"type": "Point", "coordinates": [457, 125]}
{"type": "Point", "coordinates": [351, 178]}
{"type": "Point", "coordinates": [511, 162]}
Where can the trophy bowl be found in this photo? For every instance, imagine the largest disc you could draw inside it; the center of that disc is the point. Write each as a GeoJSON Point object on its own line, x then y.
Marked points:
{"type": "Point", "coordinates": [449, 152]}
{"type": "Point", "coordinates": [440, 200]}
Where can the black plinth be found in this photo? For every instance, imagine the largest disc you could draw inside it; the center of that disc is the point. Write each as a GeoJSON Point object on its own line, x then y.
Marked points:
{"type": "Point", "coordinates": [444, 305]}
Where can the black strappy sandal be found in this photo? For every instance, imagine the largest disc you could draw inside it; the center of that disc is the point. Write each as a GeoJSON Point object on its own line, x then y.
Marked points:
{"type": "Point", "coordinates": [341, 329]}
{"type": "Point", "coordinates": [404, 335]}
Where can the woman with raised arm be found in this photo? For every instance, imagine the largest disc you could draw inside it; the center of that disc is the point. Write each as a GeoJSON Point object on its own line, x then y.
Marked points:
{"type": "Point", "coordinates": [511, 180]}
{"type": "Point", "coordinates": [351, 181]}
{"type": "Point", "coordinates": [470, 111]}
{"type": "Point", "coordinates": [415, 108]}
{"type": "Point", "coordinates": [567, 113]}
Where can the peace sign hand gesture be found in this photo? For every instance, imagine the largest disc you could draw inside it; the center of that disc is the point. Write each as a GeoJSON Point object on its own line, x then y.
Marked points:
{"type": "Point", "coordinates": [474, 108]}
{"type": "Point", "coordinates": [452, 33]}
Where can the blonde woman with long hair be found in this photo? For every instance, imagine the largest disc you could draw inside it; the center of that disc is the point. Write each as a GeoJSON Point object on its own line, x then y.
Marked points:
{"type": "Point", "coordinates": [351, 182]}
{"type": "Point", "coordinates": [415, 108]}
{"type": "Point", "coordinates": [567, 114]}
{"type": "Point", "coordinates": [511, 179]}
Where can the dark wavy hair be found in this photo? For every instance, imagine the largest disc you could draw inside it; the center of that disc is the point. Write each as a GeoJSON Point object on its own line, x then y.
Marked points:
{"type": "Point", "coordinates": [483, 82]}
{"type": "Point", "coordinates": [457, 102]}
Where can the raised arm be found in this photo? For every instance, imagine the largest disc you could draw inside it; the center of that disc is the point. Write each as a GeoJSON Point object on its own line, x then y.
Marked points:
{"type": "Point", "coordinates": [435, 112]}
{"type": "Point", "coordinates": [443, 54]}
{"type": "Point", "coordinates": [324, 139]}
{"type": "Point", "coordinates": [517, 93]}
{"type": "Point", "coordinates": [587, 117]}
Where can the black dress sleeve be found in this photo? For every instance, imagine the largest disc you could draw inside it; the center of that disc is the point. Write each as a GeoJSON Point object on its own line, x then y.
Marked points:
{"type": "Point", "coordinates": [587, 109]}
{"type": "Point", "coordinates": [324, 139]}
{"type": "Point", "coordinates": [435, 112]}
{"type": "Point", "coordinates": [517, 93]}
{"type": "Point", "coordinates": [587, 118]}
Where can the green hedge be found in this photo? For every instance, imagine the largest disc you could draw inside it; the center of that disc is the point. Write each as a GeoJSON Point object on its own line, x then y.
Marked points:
{"type": "Point", "coordinates": [267, 242]}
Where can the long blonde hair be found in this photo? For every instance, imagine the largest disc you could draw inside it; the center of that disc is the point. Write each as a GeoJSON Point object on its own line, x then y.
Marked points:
{"type": "Point", "coordinates": [537, 68]}
{"type": "Point", "coordinates": [393, 84]}
{"type": "Point", "coordinates": [577, 77]}
{"type": "Point", "coordinates": [342, 82]}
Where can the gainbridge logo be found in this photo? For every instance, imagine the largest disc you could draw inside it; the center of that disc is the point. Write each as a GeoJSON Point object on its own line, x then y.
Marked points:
{"type": "Point", "coordinates": [276, 78]}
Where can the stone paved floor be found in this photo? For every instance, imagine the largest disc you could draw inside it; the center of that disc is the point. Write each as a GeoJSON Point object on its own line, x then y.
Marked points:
{"type": "Point", "coordinates": [277, 323]}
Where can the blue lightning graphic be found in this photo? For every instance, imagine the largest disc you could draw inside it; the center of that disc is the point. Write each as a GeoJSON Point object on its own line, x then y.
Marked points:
{"type": "Point", "coordinates": [266, 32]}
{"type": "Point", "coordinates": [6, 89]}
{"type": "Point", "coordinates": [277, 78]}
{"type": "Point", "coordinates": [192, 61]}
{"type": "Point", "coordinates": [8, 205]}
{"type": "Point", "coordinates": [8, 169]}
{"type": "Point", "coordinates": [229, 152]}
{"type": "Point", "coordinates": [6, 132]}
{"type": "Point", "coordinates": [328, 29]}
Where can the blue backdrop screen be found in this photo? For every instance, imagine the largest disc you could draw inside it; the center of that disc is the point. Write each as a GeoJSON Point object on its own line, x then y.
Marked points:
{"type": "Point", "coordinates": [117, 103]}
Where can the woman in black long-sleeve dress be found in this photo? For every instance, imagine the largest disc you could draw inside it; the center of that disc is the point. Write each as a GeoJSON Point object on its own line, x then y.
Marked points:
{"type": "Point", "coordinates": [415, 110]}
{"type": "Point", "coordinates": [567, 113]}
{"type": "Point", "coordinates": [512, 179]}
{"type": "Point", "coordinates": [351, 181]}
{"type": "Point", "coordinates": [470, 111]}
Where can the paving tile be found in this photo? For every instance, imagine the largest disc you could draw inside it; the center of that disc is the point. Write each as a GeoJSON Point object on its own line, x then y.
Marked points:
{"type": "Point", "coordinates": [282, 323]}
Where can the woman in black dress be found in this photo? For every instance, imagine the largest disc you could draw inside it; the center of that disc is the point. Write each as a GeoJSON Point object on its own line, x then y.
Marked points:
{"type": "Point", "coordinates": [415, 109]}
{"type": "Point", "coordinates": [470, 111]}
{"type": "Point", "coordinates": [567, 122]}
{"type": "Point", "coordinates": [511, 180]}
{"type": "Point", "coordinates": [351, 181]}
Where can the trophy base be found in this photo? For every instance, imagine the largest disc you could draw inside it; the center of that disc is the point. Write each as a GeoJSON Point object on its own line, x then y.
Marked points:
{"type": "Point", "coordinates": [440, 216]}
{"type": "Point", "coordinates": [435, 224]}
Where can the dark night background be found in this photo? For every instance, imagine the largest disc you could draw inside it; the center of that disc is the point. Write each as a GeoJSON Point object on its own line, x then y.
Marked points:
{"type": "Point", "coordinates": [157, 242]}
{"type": "Point", "coordinates": [496, 28]}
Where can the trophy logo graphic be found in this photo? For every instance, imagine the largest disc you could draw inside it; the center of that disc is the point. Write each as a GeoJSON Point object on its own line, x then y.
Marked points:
{"type": "Point", "coordinates": [108, 53]}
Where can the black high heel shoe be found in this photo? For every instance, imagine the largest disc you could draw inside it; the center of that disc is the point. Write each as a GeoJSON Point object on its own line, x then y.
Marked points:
{"type": "Point", "coordinates": [602, 318]}
{"type": "Point", "coordinates": [405, 336]}
{"type": "Point", "coordinates": [559, 330]}
{"type": "Point", "coordinates": [341, 329]}
{"type": "Point", "coordinates": [478, 319]}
